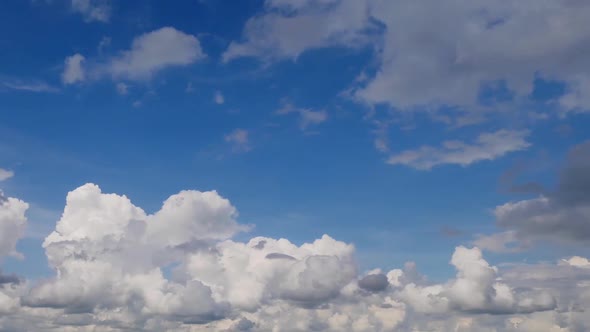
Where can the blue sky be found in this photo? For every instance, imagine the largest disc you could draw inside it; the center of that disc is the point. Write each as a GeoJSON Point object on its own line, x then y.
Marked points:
{"type": "Point", "coordinates": [350, 119]}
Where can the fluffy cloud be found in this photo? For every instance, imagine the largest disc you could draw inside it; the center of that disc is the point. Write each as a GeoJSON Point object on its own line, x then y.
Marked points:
{"type": "Point", "coordinates": [292, 27]}
{"type": "Point", "coordinates": [149, 53]}
{"type": "Point", "coordinates": [443, 58]}
{"type": "Point", "coordinates": [154, 51]}
{"type": "Point", "coordinates": [73, 70]}
{"type": "Point", "coordinates": [119, 268]}
{"type": "Point", "coordinates": [488, 146]}
{"type": "Point", "coordinates": [92, 10]}
{"type": "Point", "coordinates": [561, 215]}
{"type": "Point", "coordinates": [12, 224]}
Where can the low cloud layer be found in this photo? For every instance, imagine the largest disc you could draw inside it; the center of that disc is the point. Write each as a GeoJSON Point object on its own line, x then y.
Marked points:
{"type": "Point", "coordinates": [560, 215]}
{"type": "Point", "coordinates": [118, 268]}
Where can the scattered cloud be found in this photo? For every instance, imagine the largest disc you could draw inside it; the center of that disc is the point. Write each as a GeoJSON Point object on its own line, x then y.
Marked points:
{"type": "Point", "coordinates": [73, 70]}
{"type": "Point", "coordinates": [189, 88]}
{"type": "Point", "coordinates": [108, 256]}
{"type": "Point", "coordinates": [292, 27]}
{"type": "Point", "coordinates": [155, 51]}
{"type": "Point", "coordinates": [307, 117]}
{"type": "Point", "coordinates": [93, 10]}
{"type": "Point", "coordinates": [149, 54]}
{"type": "Point", "coordinates": [239, 139]}
{"type": "Point", "coordinates": [30, 86]}
{"type": "Point", "coordinates": [561, 215]}
{"type": "Point", "coordinates": [218, 98]}
{"type": "Point", "coordinates": [504, 242]}
{"type": "Point", "coordinates": [122, 88]}
{"type": "Point", "coordinates": [12, 226]}
{"type": "Point", "coordinates": [413, 71]}
{"type": "Point", "coordinates": [488, 146]}
{"type": "Point", "coordinates": [5, 174]}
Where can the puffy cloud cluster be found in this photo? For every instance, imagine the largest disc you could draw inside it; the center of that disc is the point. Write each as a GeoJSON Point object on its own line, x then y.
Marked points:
{"type": "Point", "coordinates": [561, 215]}
{"type": "Point", "coordinates": [433, 53]}
{"type": "Point", "coordinates": [118, 268]}
{"type": "Point", "coordinates": [149, 53]}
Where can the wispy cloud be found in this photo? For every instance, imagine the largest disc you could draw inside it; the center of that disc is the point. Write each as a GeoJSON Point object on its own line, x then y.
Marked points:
{"type": "Point", "coordinates": [30, 86]}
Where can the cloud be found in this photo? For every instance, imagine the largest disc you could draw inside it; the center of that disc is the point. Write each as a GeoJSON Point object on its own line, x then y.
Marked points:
{"type": "Point", "coordinates": [92, 10]}
{"type": "Point", "coordinates": [122, 88]}
{"type": "Point", "coordinates": [12, 224]}
{"type": "Point", "coordinates": [239, 139]}
{"type": "Point", "coordinates": [149, 54]}
{"type": "Point", "coordinates": [5, 174]}
{"type": "Point", "coordinates": [291, 27]}
{"type": "Point", "coordinates": [34, 86]}
{"type": "Point", "coordinates": [307, 117]}
{"type": "Point", "coordinates": [445, 58]}
{"type": "Point", "coordinates": [73, 70]}
{"type": "Point", "coordinates": [561, 215]}
{"type": "Point", "coordinates": [504, 242]}
{"type": "Point", "coordinates": [155, 51]}
{"type": "Point", "coordinates": [109, 256]}
{"type": "Point", "coordinates": [488, 146]}
{"type": "Point", "coordinates": [218, 98]}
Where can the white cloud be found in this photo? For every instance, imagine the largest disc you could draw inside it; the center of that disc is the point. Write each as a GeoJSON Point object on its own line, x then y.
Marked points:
{"type": "Point", "coordinates": [442, 58]}
{"type": "Point", "coordinates": [488, 146]}
{"type": "Point", "coordinates": [316, 24]}
{"type": "Point", "coordinates": [218, 98]}
{"type": "Point", "coordinates": [109, 257]}
{"type": "Point", "coordinates": [5, 174]}
{"type": "Point", "coordinates": [12, 224]}
{"type": "Point", "coordinates": [504, 242]}
{"type": "Point", "coordinates": [93, 10]}
{"type": "Point", "coordinates": [307, 117]}
{"type": "Point", "coordinates": [155, 51]}
{"type": "Point", "coordinates": [239, 139]}
{"type": "Point", "coordinates": [73, 71]}
{"type": "Point", "coordinates": [149, 54]}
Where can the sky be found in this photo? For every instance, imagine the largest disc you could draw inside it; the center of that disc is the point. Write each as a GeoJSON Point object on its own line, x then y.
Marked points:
{"type": "Point", "coordinates": [294, 165]}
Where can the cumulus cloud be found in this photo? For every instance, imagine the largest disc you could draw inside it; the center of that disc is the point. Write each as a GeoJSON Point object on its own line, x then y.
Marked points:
{"type": "Point", "coordinates": [468, 45]}
{"type": "Point", "coordinates": [307, 117]}
{"type": "Point", "coordinates": [92, 10]}
{"type": "Point", "coordinates": [110, 258]}
{"type": "Point", "coordinates": [149, 54]}
{"type": "Point", "coordinates": [561, 215]}
{"type": "Point", "coordinates": [12, 224]}
{"type": "Point", "coordinates": [73, 70]}
{"type": "Point", "coordinates": [488, 146]}
{"type": "Point", "coordinates": [154, 51]}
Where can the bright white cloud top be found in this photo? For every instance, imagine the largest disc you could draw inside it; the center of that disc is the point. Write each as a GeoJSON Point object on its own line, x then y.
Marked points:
{"type": "Point", "coordinates": [118, 268]}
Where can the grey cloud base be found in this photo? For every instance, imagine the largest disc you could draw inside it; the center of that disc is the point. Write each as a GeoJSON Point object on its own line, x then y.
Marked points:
{"type": "Point", "coordinates": [109, 258]}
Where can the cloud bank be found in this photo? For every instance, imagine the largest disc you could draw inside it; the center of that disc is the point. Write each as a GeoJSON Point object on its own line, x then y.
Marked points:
{"type": "Point", "coordinates": [118, 268]}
